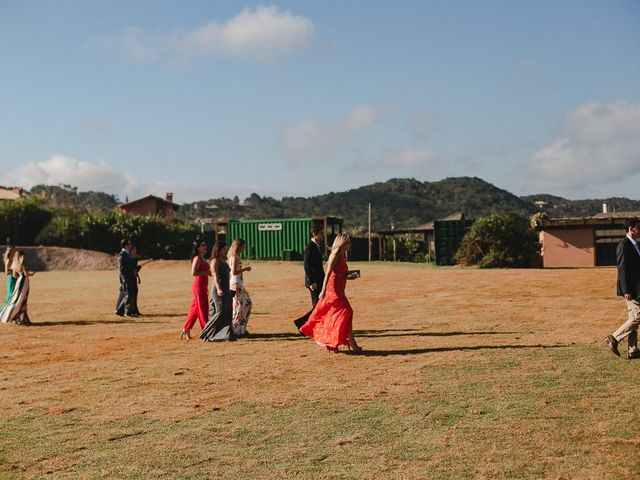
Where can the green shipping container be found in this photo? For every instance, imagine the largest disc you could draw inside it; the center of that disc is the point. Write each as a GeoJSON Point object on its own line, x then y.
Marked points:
{"type": "Point", "coordinates": [448, 235]}
{"type": "Point", "coordinates": [272, 239]}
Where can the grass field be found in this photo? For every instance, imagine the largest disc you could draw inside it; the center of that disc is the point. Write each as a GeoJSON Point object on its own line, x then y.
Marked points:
{"type": "Point", "coordinates": [465, 374]}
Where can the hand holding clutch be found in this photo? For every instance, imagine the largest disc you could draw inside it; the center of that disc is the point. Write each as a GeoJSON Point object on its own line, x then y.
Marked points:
{"type": "Point", "coordinates": [353, 274]}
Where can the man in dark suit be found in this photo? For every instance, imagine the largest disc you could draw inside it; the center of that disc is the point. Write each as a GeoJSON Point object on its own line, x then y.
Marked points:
{"type": "Point", "coordinates": [125, 305]}
{"type": "Point", "coordinates": [313, 270]}
{"type": "Point", "coordinates": [628, 260]}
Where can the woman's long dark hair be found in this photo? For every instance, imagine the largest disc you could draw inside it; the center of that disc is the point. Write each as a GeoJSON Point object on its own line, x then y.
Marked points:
{"type": "Point", "coordinates": [196, 244]}
{"type": "Point", "coordinates": [217, 248]}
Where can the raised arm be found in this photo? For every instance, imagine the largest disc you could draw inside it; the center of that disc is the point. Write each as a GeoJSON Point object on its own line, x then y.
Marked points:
{"type": "Point", "coordinates": [235, 266]}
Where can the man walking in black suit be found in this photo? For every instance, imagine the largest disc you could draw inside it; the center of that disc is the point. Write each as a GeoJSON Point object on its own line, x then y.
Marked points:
{"type": "Point", "coordinates": [125, 305]}
{"type": "Point", "coordinates": [313, 270]}
{"type": "Point", "coordinates": [628, 260]}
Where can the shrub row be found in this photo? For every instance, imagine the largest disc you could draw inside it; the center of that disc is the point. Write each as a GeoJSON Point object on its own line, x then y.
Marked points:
{"type": "Point", "coordinates": [30, 222]}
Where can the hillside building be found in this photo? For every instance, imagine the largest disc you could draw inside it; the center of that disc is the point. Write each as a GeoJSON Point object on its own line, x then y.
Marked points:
{"type": "Point", "coordinates": [582, 242]}
{"type": "Point", "coordinates": [14, 193]}
{"type": "Point", "coordinates": [152, 205]}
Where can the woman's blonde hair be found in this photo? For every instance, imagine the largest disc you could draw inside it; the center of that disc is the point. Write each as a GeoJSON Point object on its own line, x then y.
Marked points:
{"type": "Point", "coordinates": [18, 261]}
{"type": "Point", "coordinates": [340, 241]}
{"type": "Point", "coordinates": [233, 249]}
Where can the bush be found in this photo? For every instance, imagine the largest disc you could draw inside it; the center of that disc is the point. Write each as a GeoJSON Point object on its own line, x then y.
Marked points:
{"type": "Point", "coordinates": [103, 231]}
{"type": "Point", "coordinates": [498, 241]}
{"type": "Point", "coordinates": [22, 220]}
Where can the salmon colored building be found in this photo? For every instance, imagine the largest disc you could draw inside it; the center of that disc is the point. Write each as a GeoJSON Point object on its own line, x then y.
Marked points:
{"type": "Point", "coordinates": [15, 193]}
{"type": "Point", "coordinates": [152, 205]}
{"type": "Point", "coordinates": [582, 242]}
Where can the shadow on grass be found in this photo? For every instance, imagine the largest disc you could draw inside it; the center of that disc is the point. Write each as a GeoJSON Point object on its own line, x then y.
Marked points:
{"type": "Point", "coordinates": [420, 333]}
{"type": "Point", "coordinates": [90, 322]}
{"type": "Point", "coordinates": [274, 336]}
{"type": "Point", "coordinates": [377, 333]}
{"type": "Point", "coordinates": [418, 351]}
{"type": "Point", "coordinates": [164, 315]}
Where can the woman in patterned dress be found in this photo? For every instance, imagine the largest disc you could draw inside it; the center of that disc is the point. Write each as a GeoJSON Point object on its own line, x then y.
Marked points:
{"type": "Point", "coordinates": [241, 298]}
{"type": "Point", "coordinates": [15, 309]}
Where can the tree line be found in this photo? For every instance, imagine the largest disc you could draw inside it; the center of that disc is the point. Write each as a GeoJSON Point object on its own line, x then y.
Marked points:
{"type": "Point", "coordinates": [32, 222]}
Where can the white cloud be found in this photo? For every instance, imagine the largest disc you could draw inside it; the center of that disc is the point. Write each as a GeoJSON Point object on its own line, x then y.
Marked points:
{"type": "Point", "coordinates": [265, 35]}
{"type": "Point", "coordinates": [136, 45]}
{"type": "Point", "coordinates": [102, 177]}
{"type": "Point", "coordinates": [410, 158]}
{"type": "Point", "coordinates": [63, 170]}
{"type": "Point", "coordinates": [405, 161]}
{"type": "Point", "coordinates": [597, 143]}
{"type": "Point", "coordinates": [311, 140]}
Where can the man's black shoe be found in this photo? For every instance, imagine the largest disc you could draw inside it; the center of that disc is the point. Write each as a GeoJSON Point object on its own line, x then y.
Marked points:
{"type": "Point", "coordinates": [633, 355]}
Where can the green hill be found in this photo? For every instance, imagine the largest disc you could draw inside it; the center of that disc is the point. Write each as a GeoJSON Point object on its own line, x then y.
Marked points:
{"type": "Point", "coordinates": [403, 202]}
{"type": "Point", "coordinates": [67, 196]}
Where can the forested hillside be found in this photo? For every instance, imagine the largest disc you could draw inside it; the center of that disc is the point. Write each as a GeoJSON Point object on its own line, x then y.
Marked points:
{"type": "Point", "coordinates": [400, 201]}
{"type": "Point", "coordinates": [403, 202]}
{"type": "Point", "coordinates": [69, 197]}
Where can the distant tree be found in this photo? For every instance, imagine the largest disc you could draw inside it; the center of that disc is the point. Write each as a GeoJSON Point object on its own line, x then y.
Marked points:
{"type": "Point", "coordinates": [500, 240]}
{"type": "Point", "coordinates": [21, 220]}
{"type": "Point", "coordinates": [66, 196]}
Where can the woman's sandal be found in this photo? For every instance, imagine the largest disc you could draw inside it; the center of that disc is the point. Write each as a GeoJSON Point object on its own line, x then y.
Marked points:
{"type": "Point", "coordinates": [332, 349]}
{"type": "Point", "coordinates": [355, 348]}
{"type": "Point", "coordinates": [185, 334]}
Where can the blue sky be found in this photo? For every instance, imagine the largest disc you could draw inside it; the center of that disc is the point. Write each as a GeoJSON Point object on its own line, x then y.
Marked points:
{"type": "Point", "coordinates": [208, 98]}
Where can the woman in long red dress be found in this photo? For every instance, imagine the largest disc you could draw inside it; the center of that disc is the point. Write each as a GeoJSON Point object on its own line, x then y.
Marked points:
{"type": "Point", "coordinates": [200, 305]}
{"type": "Point", "coordinates": [331, 322]}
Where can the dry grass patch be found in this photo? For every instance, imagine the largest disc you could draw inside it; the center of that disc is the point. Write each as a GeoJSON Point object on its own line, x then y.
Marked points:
{"type": "Point", "coordinates": [466, 374]}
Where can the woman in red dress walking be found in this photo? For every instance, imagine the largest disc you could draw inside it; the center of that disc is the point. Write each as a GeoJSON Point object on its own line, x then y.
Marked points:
{"type": "Point", "coordinates": [200, 305]}
{"type": "Point", "coordinates": [330, 323]}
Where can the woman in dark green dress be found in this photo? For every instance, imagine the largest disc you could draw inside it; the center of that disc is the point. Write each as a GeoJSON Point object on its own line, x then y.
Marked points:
{"type": "Point", "coordinates": [218, 327]}
{"type": "Point", "coordinates": [11, 280]}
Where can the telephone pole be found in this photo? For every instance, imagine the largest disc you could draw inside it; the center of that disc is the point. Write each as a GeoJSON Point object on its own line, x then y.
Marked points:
{"type": "Point", "coordinates": [369, 231]}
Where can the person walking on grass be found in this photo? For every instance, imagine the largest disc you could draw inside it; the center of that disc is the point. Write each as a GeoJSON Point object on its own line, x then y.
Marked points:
{"type": "Point", "coordinates": [8, 260]}
{"type": "Point", "coordinates": [220, 304]}
{"type": "Point", "coordinates": [15, 309]}
{"type": "Point", "coordinates": [241, 299]}
{"type": "Point", "coordinates": [628, 287]}
{"type": "Point", "coordinates": [331, 322]}
{"type": "Point", "coordinates": [200, 271]}
{"type": "Point", "coordinates": [313, 271]}
{"type": "Point", "coordinates": [136, 267]}
{"type": "Point", "coordinates": [125, 305]}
